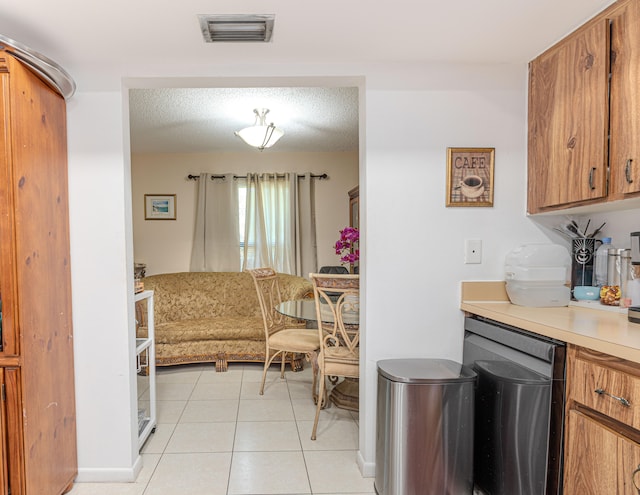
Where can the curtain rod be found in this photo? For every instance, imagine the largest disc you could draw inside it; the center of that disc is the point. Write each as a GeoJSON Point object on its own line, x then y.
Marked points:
{"type": "Point", "coordinates": [313, 176]}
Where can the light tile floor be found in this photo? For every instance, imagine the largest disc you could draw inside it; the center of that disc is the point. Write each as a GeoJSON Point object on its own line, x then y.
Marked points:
{"type": "Point", "coordinates": [217, 436]}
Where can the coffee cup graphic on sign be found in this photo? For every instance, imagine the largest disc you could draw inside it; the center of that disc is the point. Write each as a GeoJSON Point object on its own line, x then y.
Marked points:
{"type": "Point", "coordinates": [472, 186]}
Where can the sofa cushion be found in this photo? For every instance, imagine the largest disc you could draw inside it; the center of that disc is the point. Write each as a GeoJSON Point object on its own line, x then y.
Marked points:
{"type": "Point", "coordinates": [221, 328]}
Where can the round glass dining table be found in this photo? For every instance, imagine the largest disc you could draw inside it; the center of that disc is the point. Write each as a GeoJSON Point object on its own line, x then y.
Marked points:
{"type": "Point", "coordinates": [346, 394]}
{"type": "Point", "coordinates": [305, 309]}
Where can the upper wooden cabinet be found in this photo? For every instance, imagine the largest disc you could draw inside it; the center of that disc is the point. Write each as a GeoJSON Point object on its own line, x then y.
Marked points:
{"type": "Point", "coordinates": [568, 120]}
{"type": "Point", "coordinates": [581, 91]}
{"type": "Point", "coordinates": [625, 102]}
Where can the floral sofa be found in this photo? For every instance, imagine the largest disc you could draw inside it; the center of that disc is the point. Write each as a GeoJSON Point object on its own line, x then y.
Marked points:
{"type": "Point", "coordinates": [211, 316]}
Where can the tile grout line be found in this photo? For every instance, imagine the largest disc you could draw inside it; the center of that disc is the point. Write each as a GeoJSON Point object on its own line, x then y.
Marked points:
{"type": "Point", "coordinates": [235, 433]}
{"type": "Point", "coordinates": [304, 458]}
{"type": "Point", "coordinates": [164, 450]}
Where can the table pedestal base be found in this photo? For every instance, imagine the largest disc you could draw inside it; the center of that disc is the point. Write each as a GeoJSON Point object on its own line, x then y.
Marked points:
{"type": "Point", "coordinates": [346, 394]}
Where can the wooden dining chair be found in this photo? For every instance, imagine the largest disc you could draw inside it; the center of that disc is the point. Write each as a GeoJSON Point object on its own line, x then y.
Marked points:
{"type": "Point", "coordinates": [337, 300]}
{"type": "Point", "coordinates": [281, 338]}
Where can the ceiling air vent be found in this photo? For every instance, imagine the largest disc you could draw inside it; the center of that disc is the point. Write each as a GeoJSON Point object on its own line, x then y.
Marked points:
{"type": "Point", "coordinates": [236, 28]}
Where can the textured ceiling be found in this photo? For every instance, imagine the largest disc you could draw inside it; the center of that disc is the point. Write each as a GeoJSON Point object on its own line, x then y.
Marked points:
{"type": "Point", "coordinates": [202, 120]}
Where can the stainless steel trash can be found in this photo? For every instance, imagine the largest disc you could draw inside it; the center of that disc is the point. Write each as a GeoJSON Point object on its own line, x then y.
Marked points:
{"type": "Point", "coordinates": [424, 434]}
{"type": "Point", "coordinates": [511, 429]}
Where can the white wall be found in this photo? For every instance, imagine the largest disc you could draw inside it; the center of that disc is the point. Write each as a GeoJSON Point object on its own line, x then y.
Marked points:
{"type": "Point", "coordinates": [165, 246]}
{"type": "Point", "coordinates": [412, 245]}
{"type": "Point", "coordinates": [102, 288]}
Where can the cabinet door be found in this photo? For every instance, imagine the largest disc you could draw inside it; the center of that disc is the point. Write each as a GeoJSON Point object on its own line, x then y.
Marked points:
{"type": "Point", "coordinates": [625, 101]}
{"type": "Point", "coordinates": [629, 461]}
{"type": "Point", "coordinates": [4, 475]}
{"type": "Point", "coordinates": [12, 423]}
{"type": "Point", "coordinates": [43, 378]}
{"type": "Point", "coordinates": [568, 120]}
{"type": "Point", "coordinates": [8, 305]}
{"type": "Point", "coordinates": [590, 457]}
{"type": "Point", "coordinates": [597, 460]}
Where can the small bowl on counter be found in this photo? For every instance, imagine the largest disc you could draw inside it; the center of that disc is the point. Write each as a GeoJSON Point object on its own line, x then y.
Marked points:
{"type": "Point", "coordinates": [586, 293]}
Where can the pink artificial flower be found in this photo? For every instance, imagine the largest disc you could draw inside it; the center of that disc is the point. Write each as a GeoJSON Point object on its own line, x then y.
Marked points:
{"type": "Point", "coordinates": [344, 246]}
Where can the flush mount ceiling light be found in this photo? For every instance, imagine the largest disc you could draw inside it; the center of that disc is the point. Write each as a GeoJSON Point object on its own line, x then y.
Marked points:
{"type": "Point", "coordinates": [236, 28]}
{"type": "Point", "coordinates": [260, 135]}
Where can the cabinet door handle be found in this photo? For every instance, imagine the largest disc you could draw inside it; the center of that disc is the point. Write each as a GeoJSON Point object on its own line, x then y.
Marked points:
{"type": "Point", "coordinates": [622, 400]}
{"type": "Point", "coordinates": [627, 171]}
{"type": "Point", "coordinates": [592, 173]}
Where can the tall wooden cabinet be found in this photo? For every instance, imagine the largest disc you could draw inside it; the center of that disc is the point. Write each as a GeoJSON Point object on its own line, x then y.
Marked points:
{"type": "Point", "coordinates": [583, 114]}
{"type": "Point", "coordinates": [38, 453]}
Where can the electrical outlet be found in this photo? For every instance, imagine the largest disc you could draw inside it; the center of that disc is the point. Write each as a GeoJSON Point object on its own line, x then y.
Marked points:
{"type": "Point", "coordinates": [472, 251]}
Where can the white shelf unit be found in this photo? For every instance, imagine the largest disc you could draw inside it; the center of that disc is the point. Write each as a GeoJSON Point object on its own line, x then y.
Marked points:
{"type": "Point", "coordinates": [146, 368]}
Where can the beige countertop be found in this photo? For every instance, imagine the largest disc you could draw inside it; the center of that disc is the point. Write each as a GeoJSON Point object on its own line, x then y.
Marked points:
{"type": "Point", "coordinates": [600, 330]}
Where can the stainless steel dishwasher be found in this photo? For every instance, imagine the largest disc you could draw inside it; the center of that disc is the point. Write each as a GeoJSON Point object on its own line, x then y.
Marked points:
{"type": "Point", "coordinates": [519, 408]}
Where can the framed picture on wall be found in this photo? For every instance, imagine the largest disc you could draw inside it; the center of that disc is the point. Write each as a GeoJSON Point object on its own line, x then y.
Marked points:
{"type": "Point", "coordinates": [159, 206]}
{"type": "Point", "coordinates": [470, 176]}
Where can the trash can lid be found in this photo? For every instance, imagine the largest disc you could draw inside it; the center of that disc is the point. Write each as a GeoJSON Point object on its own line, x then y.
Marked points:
{"type": "Point", "coordinates": [511, 372]}
{"type": "Point", "coordinates": [425, 371]}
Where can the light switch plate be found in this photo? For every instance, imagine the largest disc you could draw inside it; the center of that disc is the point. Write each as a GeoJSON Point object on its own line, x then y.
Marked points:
{"type": "Point", "coordinates": [472, 251]}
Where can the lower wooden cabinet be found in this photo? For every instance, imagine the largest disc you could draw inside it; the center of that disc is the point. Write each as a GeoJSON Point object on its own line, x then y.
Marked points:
{"type": "Point", "coordinates": [599, 461]}
{"type": "Point", "coordinates": [602, 449]}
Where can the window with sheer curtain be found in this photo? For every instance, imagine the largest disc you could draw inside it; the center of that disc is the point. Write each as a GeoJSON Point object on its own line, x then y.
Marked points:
{"type": "Point", "coordinates": [263, 220]}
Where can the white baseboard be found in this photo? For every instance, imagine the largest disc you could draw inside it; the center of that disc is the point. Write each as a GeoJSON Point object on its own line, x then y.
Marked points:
{"type": "Point", "coordinates": [110, 475]}
{"type": "Point", "coordinates": [367, 469]}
